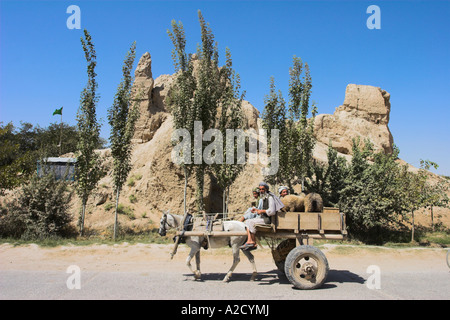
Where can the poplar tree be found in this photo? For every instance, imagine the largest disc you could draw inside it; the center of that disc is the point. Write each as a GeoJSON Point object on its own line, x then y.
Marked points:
{"type": "Point", "coordinates": [89, 169]}
{"type": "Point", "coordinates": [435, 194]}
{"type": "Point", "coordinates": [181, 95]}
{"type": "Point", "coordinates": [300, 128]}
{"type": "Point", "coordinates": [122, 116]}
{"type": "Point", "coordinates": [207, 97]}
{"type": "Point", "coordinates": [296, 130]}
{"type": "Point", "coordinates": [418, 192]}
{"type": "Point", "coordinates": [274, 117]}
{"type": "Point", "coordinates": [230, 117]}
{"type": "Point", "coordinates": [197, 96]}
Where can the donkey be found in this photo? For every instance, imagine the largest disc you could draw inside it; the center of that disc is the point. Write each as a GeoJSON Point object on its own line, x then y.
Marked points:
{"type": "Point", "coordinates": [170, 221]}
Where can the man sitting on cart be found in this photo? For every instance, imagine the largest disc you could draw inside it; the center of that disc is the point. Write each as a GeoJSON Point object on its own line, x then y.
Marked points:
{"type": "Point", "coordinates": [283, 191]}
{"type": "Point", "coordinates": [271, 204]}
{"type": "Point", "coordinates": [257, 204]}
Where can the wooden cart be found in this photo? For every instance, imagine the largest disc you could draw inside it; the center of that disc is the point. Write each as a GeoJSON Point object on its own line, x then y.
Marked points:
{"type": "Point", "coordinates": [291, 236]}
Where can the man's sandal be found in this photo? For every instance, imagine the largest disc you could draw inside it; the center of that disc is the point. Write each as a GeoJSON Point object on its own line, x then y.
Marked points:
{"type": "Point", "coordinates": [248, 246]}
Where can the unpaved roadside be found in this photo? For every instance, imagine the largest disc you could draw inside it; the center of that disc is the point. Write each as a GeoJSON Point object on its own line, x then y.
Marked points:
{"type": "Point", "coordinates": [139, 257]}
{"type": "Point", "coordinates": [145, 271]}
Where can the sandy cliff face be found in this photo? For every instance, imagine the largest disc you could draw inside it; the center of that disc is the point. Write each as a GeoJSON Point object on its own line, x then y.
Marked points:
{"type": "Point", "coordinates": [364, 114]}
{"type": "Point", "coordinates": [149, 94]}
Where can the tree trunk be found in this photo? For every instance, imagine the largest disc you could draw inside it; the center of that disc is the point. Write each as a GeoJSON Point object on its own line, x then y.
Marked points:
{"type": "Point", "coordinates": [226, 203]}
{"type": "Point", "coordinates": [115, 216]}
{"type": "Point", "coordinates": [200, 178]}
{"type": "Point", "coordinates": [185, 187]}
{"type": "Point", "coordinates": [432, 218]}
{"type": "Point", "coordinates": [412, 229]}
{"type": "Point", "coordinates": [83, 211]}
{"type": "Point", "coordinates": [223, 200]}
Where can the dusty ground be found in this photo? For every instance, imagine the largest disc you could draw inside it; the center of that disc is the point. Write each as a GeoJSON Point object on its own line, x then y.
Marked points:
{"type": "Point", "coordinates": [145, 271]}
{"type": "Point", "coordinates": [145, 257]}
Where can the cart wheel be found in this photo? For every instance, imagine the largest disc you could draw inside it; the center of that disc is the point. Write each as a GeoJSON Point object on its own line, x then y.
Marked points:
{"type": "Point", "coordinates": [306, 267]}
{"type": "Point", "coordinates": [281, 252]}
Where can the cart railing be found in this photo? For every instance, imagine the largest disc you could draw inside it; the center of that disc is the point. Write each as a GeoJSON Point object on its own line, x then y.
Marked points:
{"type": "Point", "coordinates": [329, 224]}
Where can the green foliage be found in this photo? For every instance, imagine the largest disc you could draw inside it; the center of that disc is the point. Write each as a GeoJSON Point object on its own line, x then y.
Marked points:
{"type": "Point", "coordinates": [207, 96]}
{"type": "Point", "coordinates": [185, 84]}
{"type": "Point", "coordinates": [14, 165]}
{"type": "Point", "coordinates": [434, 194]}
{"type": "Point", "coordinates": [182, 92]}
{"type": "Point", "coordinates": [418, 191]}
{"type": "Point", "coordinates": [40, 210]}
{"type": "Point", "coordinates": [131, 182]}
{"type": "Point", "coordinates": [230, 117]}
{"type": "Point", "coordinates": [296, 130]}
{"type": "Point", "coordinates": [122, 117]}
{"type": "Point", "coordinates": [108, 206]}
{"type": "Point", "coordinates": [372, 197]}
{"type": "Point", "coordinates": [274, 117]}
{"type": "Point", "coordinates": [126, 210]}
{"type": "Point", "coordinates": [21, 147]}
{"type": "Point", "coordinates": [200, 96]}
{"type": "Point", "coordinates": [89, 168]}
{"type": "Point", "coordinates": [274, 113]}
{"type": "Point", "coordinates": [375, 192]}
{"type": "Point", "coordinates": [132, 198]}
{"type": "Point", "coordinates": [300, 129]}
{"type": "Point", "coordinates": [328, 179]}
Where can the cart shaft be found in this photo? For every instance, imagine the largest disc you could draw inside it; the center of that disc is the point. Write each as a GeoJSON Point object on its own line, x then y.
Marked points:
{"type": "Point", "coordinates": [284, 235]}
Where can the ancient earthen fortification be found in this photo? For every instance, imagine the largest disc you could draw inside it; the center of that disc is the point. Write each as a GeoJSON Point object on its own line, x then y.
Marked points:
{"type": "Point", "coordinates": [156, 184]}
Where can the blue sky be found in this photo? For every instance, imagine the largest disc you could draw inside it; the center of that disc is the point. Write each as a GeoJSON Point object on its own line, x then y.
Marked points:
{"type": "Point", "coordinates": [42, 65]}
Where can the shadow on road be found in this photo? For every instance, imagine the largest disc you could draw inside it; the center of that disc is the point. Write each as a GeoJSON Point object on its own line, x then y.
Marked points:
{"type": "Point", "coordinates": [268, 277]}
{"type": "Point", "coordinates": [341, 276]}
{"type": "Point", "coordinates": [276, 277]}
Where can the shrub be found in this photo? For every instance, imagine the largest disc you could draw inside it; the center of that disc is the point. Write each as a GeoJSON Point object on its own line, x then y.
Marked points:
{"type": "Point", "coordinates": [132, 198]}
{"type": "Point", "coordinates": [109, 206]}
{"type": "Point", "coordinates": [128, 211]}
{"type": "Point", "coordinates": [131, 182]}
{"type": "Point", "coordinates": [40, 210]}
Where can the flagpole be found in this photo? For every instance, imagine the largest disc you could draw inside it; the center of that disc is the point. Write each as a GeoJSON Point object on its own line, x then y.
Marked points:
{"type": "Point", "coordinates": [60, 137]}
{"type": "Point", "coordinates": [59, 111]}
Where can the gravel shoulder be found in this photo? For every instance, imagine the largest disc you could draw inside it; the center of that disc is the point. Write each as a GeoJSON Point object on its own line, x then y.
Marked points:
{"type": "Point", "coordinates": [145, 271]}
{"type": "Point", "coordinates": [140, 257]}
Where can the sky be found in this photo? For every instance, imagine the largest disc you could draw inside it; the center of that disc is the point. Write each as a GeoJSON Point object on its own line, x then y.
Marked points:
{"type": "Point", "coordinates": [42, 64]}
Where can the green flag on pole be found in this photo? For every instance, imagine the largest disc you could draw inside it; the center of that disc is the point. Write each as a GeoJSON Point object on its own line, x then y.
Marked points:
{"type": "Point", "coordinates": [58, 111]}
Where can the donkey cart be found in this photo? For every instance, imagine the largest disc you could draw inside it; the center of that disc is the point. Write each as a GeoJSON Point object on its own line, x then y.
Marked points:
{"type": "Point", "coordinates": [290, 236]}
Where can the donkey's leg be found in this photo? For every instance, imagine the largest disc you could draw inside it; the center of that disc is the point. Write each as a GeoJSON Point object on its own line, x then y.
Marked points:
{"type": "Point", "coordinates": [197, 262]}
{"type": "Point", "coordinates": [236, 260]}
{"type": "Point", "coordinates": [251, 258]}
{"type": "Point", "coordinates": [195, 247]}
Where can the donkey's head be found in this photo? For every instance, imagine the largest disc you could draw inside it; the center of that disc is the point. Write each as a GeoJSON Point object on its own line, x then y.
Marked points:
{"type": "Point", "coordinates": [163, 225]}
{"type": "Point", "coordinates": [167, 222]}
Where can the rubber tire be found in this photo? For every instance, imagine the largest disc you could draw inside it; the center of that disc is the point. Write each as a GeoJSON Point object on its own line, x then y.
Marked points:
{"type": "Point", "coordinates": [283, 250]}
{"type": "Point", "coordinates": [297, 254]}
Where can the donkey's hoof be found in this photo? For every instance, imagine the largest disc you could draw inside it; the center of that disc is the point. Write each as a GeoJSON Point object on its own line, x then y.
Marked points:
{"type": "Point", "coordinates": [227, 278]}
{"type": "Point", "coordinates": [197, 275]}
{"type": "Point", "coordinates": [253, 278]}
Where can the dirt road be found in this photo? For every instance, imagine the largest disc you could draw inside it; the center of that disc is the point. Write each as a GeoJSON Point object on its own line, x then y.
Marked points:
{"type": "Point", "coordinates": [145, 271]}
